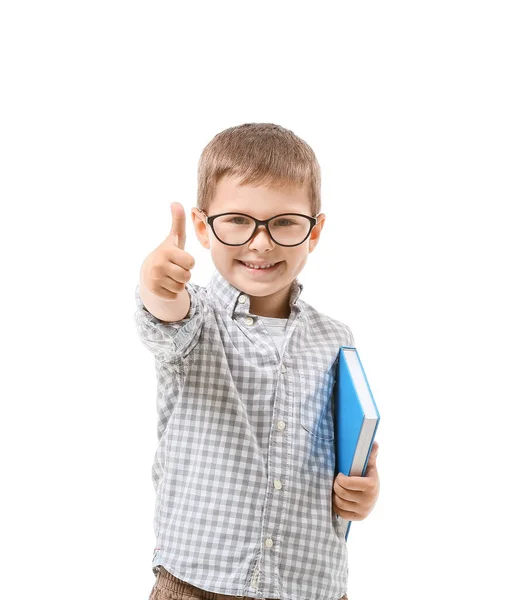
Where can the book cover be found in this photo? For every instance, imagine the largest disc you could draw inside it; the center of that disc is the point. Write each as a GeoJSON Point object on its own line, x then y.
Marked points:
{"type": "Point", "coordinates": [356, 416]}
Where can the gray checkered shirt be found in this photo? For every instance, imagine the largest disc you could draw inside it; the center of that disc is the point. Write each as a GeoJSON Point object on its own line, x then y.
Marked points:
{"type": "Point", "coordinates": [245, 462]}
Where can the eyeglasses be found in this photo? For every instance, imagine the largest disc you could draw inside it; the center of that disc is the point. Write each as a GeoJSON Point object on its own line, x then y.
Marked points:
{"type": "Point", "coordinates": [236, 229]}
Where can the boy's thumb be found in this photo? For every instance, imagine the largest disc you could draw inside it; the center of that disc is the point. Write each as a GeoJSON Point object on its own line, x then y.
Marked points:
{"type": "Point", "coordinates": [178, 229]}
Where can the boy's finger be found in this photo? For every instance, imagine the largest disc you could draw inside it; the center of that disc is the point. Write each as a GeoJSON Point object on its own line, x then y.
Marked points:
{"type": "Point", "coordinates": [352, 482]}
{"type": "Point", "coordinates": [178, 229]}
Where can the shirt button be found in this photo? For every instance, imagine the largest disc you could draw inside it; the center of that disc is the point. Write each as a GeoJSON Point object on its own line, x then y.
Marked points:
{"type": "Point", "coordinates": [283, 369]}
{"type": "Point", "coordinates": [268, 543]}
{"type": "Point", "coordinates": [277, 484]}
{"type": "Point", "coordinates": [281, 425]}
{"type": "Point", "coordinates": [248, 321]}
{"type": "Point", "coordinates": [242, 299]}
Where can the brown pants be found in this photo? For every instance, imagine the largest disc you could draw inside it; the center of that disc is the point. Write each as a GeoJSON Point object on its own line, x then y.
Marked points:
{"type": "Point", "coordinates": [169, 587]}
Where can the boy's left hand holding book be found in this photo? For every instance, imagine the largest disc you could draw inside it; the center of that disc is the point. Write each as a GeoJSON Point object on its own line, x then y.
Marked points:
{"type": "Point", "coordinates": [355, 497]}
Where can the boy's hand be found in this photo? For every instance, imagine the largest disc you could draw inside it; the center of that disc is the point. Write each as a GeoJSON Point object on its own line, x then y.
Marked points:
{"type": "Point", "coordinates": [166, 270]}
{"type": "Point", "coordinates": [355, 497]}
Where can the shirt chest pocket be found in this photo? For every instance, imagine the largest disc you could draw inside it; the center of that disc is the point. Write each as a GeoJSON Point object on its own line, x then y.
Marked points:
{"type": "Point", "coordinates": [316, 403]}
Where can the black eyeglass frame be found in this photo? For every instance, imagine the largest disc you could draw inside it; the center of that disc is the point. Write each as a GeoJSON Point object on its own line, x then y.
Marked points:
{"type": "Point", "coordinates": [258, 222]}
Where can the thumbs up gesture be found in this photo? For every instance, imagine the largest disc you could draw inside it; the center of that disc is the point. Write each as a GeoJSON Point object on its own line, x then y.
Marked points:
{"type": "Point", "coordinates": [166, 270]}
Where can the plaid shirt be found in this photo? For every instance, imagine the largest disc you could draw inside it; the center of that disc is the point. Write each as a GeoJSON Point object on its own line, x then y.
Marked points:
{"type": "Point", "coordinates": [245, 462]}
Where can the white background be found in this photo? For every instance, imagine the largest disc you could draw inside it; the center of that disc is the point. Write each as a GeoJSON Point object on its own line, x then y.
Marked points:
{"type": "Point", "coordinates": [413, 111]}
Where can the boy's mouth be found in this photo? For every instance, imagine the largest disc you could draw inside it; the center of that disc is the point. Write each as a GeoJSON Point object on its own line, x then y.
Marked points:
{"type": "Point", "coordinates": [259, 269]}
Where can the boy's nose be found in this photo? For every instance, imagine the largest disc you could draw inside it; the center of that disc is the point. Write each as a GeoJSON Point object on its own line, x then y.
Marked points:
{"type": "Point", "coordinates": [261, 239]}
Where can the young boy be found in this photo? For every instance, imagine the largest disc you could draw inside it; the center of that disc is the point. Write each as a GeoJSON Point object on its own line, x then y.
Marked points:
{"type": "Point", "coordinates": [245, 462]}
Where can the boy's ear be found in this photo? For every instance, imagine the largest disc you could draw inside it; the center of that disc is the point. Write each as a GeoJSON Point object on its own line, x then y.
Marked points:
{"type": "Point", "coordinates": [314, 236]}
{"type": "Point", "coordinates": [201, 231]}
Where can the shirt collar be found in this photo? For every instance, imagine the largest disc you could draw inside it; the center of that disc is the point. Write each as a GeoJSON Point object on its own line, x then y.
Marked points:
{"type": "Point", "coordinates": [232, 300]}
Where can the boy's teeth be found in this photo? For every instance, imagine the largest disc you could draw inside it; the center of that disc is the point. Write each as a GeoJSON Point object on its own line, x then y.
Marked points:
{"type": "Point", "coordinates": [256, 267]}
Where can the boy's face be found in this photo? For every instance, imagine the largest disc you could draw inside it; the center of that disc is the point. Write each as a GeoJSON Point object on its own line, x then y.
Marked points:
{"type": "Point", "coordinates": [268, 290]}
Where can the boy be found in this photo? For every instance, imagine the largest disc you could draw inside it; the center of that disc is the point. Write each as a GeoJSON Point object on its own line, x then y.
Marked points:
{"type": "Point", "coordinates": [243, 472]}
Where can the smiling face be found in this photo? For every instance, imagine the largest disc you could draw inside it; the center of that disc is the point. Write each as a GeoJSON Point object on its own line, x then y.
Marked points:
{"type": "Point", "coordinates": [268, 289]}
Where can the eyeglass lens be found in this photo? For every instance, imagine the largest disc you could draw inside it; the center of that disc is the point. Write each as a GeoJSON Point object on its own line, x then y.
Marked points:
{"type": "Point", "coordinates": [285, 229]}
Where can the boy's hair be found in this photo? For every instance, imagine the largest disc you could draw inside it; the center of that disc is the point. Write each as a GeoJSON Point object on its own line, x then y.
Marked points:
{"type": "Point", "coordinates": [258, 153]}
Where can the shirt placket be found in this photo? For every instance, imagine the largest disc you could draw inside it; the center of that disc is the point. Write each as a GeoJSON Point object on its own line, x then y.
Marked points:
{"type": "Point", "coordinates": [266, 566]}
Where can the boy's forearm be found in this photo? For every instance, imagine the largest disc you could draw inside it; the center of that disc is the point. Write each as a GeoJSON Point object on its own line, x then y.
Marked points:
{"type": "Point", "coordinates": [165, 310]}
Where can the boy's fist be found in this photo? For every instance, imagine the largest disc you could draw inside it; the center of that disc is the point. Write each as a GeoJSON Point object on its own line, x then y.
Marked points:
{"type": "Point", "coordinates": [355, 497]}
{"type": "Point", "coordinates": [166, 270]}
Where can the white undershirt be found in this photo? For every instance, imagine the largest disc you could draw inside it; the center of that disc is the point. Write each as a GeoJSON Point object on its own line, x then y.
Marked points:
{"type": "Point", "coordinates": [277, 329]}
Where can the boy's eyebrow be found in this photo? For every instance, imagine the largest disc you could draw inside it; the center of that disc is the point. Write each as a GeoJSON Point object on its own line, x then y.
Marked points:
{"type": "Point", "coordinates": [281, 211]}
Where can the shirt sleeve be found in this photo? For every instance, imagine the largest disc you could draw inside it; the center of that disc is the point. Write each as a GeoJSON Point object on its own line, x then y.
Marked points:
{"type": "Point", "coordinates": [349, 338]}
{"type": "Point", "coordinates": [170, 341]}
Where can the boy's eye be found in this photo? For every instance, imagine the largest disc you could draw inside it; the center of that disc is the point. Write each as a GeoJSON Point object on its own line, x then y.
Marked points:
{"type": "Point", "coordinates": [283, 222]}
{"type": "Point", "coordinates": [239, 220]}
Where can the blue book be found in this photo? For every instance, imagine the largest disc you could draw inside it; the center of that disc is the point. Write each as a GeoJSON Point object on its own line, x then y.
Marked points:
{"type": "Point", "coordinates": [356, 416]}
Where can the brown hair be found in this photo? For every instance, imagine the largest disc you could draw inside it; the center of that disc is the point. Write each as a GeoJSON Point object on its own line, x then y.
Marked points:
{"type": "Point", "coordinates": [258, 153]}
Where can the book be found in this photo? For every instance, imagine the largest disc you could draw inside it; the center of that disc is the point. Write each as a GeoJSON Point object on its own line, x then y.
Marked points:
{"type": "Point", "coordinates": [356, 416]}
